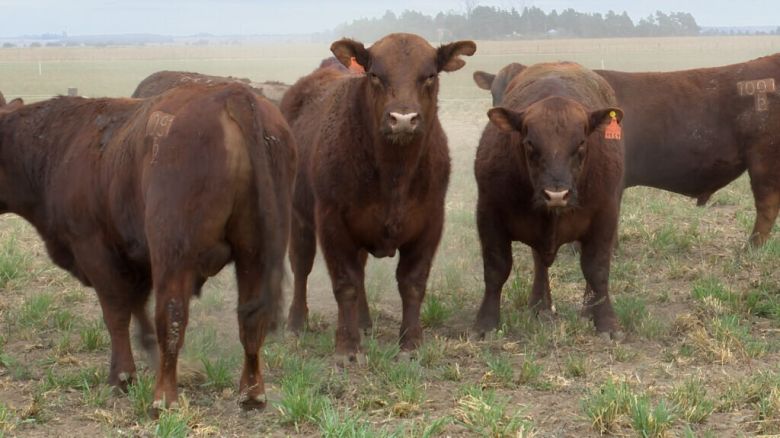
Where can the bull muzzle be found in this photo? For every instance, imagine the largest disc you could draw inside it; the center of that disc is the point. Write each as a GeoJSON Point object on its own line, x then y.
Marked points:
{"type": "Point", "coordinates": [403, 123]}
{"type": "Point", "coordinates": [557, 198]}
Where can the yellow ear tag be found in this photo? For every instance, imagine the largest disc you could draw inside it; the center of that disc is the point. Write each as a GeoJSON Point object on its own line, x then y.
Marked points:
{"type": "Point", "coordinates": [613, 131]}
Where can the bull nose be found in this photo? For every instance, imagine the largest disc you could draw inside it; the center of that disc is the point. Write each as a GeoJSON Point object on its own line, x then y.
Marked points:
{"type": "Point", "coordinates": [556, 198]}
{"type": "Point", "coordinates": [403, 122]}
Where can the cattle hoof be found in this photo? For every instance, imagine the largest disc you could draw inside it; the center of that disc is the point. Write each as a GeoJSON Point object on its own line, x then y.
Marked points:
{"type": "Point", "coordinates": [345, 360]}
{"type": "Point", "coordinates": [159, 405]}
{"type": "Point", "coordinates": [253, 402]}
{"type": "Point", "coordinates": [122, 381]}
{"type": "Point", "coordinates": [547, 314]}
{"type": "Point", "coordinates": [406, 356]}
{"type": "Point", "coordinates": [612, 336]}
{"type": "Point", "coordinates": [604, 336]}
{"type": "Point", "coordinates": [296, 328]}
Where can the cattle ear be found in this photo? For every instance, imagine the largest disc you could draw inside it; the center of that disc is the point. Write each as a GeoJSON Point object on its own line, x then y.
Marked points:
{"type": "Point", "coordinates": [448, 55]}
{"type": "Point", "coordinates": [346, 49]}
{"type": "Point", "coordinates": [598, 117]}
{"type": "Point", "coordinates": [505, 119]}
{"type": "Point", "coordinates": [484, 79]}
{"type": "Point", "coordinates": [12, 105]}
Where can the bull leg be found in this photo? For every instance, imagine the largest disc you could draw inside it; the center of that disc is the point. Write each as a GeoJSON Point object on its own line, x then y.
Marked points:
{"type": "Point", "coordinates": [497, 265]}
{"type": "Point", "coordinates": [414, 266]}
{"type": "Point", "coordinates": [345, 266]}
{"type": "Point", "coordinates": [117, 296]}
{"type": "Point", "coordinates": [766, 194]}
{"type": "Point", "coordinates": [765, 182]}
{"type": "Point", "coordinates": [540, 300]}
{"type": "Point", "coordinates": [364, 314]}
{"type": "Point", "coordinates": [595, 262]}
{"type": "Point", "coordinates": [173, 292]}
{"type": "Point", "coordinates": [253, 326]}
{"type": "Point", "coordinates": [145, 331]}
{"type": "Point", "coordinates": [303, 247]}
{"type": "Point", "coordinates": [117, 319]}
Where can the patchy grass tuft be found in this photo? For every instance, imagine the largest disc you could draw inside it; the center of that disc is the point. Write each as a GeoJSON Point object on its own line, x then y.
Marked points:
{"type": "Point", "coordinates": [484, 413]}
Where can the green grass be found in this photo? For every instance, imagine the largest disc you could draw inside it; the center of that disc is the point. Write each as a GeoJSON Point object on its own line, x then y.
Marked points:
{"type": "Point", "coordinates": [631, 312]}
{"type": "Point", "coordinates": [691, 402]}
{"type": "Point", "coordinates": [432, 352]}
{"type": "Point", "coordinates": [575, 365]}
{"type": "Point", "coordinates": [72, 379]}
{"type": "Point", "coordinates": [14, 262]}
{"type": "Point", "coordinates": [434, 312]}
{"type": "Point", "coordinates": [530, 372]}
{"type": "Point", "coordinates": [486, 414]}
{"type": "Point", "coordinates": [301, 400]}
{"type": "Point", "coordinates": [427, 428]}
{"type": "Point", "coordinates": [606, 404]}
{"type": "Point", "coordinates": [500, 369]}
{"type": "Point", "coordinates": [172, 424]}
{"type": "Point", "coordinates": [94, 336]}
{"type": "Point", "coordinates": [344, 424]}
{"type": "Point", "coordinates": [64, 320]}
{"type": "Point", "coordinates": [8, 420]}
{"type": "Point", "coordinates": [141, 395]}
{"type": "Point", "coordinates": [650, 421]}
{"type": "Point", "coordinates": [219, 372]}
{"type": "Point", "coordinates": [404, 381]}
{"type": "Point", "coordinates": [747, 391]}
{"type": "Point", "coordinates": [35, 311]}
{"type": "Point", "coordinates": [96, 396]}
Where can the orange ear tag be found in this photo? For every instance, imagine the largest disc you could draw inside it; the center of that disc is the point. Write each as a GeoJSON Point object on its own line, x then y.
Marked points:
{"type": "Point", "coordinates": [613, 131]}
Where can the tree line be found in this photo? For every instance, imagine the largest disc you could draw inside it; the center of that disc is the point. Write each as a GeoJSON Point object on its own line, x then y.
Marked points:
{"type": "Point", "coordinates": [487, 22]}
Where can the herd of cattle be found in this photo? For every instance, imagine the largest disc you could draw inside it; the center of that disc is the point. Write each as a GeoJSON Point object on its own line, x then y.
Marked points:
{"type": "Point", "coordinates": [161, 191]}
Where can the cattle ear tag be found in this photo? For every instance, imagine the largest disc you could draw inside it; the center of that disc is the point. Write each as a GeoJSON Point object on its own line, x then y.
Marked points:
{"type": "Point", "coordinates": [613, 131]}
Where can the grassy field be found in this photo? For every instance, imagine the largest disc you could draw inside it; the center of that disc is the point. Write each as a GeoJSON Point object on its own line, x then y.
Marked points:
{"type": "Point", "coordinates": [701, 310]}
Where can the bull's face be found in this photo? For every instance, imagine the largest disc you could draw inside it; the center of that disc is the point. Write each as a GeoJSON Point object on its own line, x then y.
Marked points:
{"type": "Point", "coordinates": [402, 77]}
{"type": "Point", "coordinates": [554, 135]}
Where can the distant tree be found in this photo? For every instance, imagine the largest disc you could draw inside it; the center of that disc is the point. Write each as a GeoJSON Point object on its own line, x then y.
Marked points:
{"type": "Point", "coordinates": [8, 45]}
{"type": "Point", "coordinates": [487, 22]}
{"type": "Point", "coordinates": [618, 25]}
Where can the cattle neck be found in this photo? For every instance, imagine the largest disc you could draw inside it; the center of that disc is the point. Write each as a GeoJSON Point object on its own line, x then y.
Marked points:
{"type": "Point", "coordinates": [396, 164]}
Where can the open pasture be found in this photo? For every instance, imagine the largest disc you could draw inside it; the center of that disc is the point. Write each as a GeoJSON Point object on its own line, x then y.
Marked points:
{"type": "Point", "coordinates": [701, 310]}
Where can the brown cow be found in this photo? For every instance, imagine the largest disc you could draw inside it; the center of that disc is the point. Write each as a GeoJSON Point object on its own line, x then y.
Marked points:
{"type": "Point", "coordinates": [546, 176]}
{"type": "Point", "coordinates": [160, 193]}
{"type": "Point", "coordinates": [694, 131]}
{"type": "Point", "coordinates": [2, 100]}
{"type": "Point", "coordinates": [373, 171]}
{"type": "Point", "coordinates": [162, 81]}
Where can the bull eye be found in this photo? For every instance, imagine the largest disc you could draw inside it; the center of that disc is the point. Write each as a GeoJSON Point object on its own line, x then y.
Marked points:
{"type": "Point", "coordinates": [375, 79]}
{"type": "Point", "coordinates": [530, 149]}
{"type": "Point", "coordinates": [430, 80]}
{"type": "Point", "coordinates": [580, 149]}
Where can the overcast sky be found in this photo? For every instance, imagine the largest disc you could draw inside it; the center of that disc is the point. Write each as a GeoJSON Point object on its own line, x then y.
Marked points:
{"type": "Point", "coordinates": [186, 17]}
